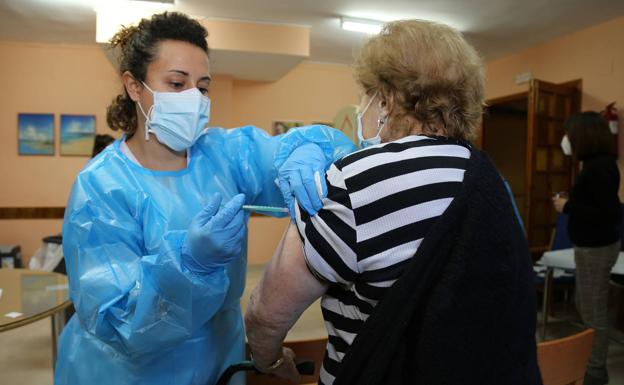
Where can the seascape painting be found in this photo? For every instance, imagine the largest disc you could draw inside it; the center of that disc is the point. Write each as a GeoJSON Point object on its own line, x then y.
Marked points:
{"type": "Point", "coordinates": [77, 134]}
{"type": "Point", "coordinates": [35, 134]}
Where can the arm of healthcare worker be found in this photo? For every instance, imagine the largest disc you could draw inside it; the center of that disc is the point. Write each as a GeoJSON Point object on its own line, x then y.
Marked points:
{"type": "Point", "coordinates": [138, 303]}
{"type": "Point", "coordinates": [273, 170]}
{"type": "Point", "coordinates": [284, 292]}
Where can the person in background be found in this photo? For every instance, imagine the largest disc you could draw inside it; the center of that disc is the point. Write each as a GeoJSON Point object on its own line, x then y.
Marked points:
{"type": "Point", "coordinates": [100, 143]}
{"type": "Point", "coordinates": [595, 216]}
{"type": "Point", "coordinates": [423, 268]}
{"type": "Point", "coordinates": [154, 235]}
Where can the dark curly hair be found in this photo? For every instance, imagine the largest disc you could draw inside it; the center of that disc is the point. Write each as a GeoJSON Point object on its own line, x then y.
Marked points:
{"type": "Point", "coordinates": [137, 46]}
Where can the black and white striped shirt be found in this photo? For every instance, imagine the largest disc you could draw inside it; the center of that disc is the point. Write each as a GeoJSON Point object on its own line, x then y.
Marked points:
{"type": "Point", "coordinates": [381, 202]}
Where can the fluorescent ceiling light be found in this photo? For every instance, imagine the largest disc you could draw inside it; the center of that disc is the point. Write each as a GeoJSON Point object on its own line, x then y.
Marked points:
{"type": "Point", "coordinates": [111, 15]}
{"type": "Point", "coordinates": [361, 25]}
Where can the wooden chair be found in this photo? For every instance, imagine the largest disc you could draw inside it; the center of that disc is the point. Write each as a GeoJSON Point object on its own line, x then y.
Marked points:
{"type": "Point", "coordinates": [563, 361]}
{"type": "Point", "coordinates": [306, 350]}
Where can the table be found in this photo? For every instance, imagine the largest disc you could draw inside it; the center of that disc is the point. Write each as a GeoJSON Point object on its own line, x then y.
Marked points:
{"type": "Point", "coordinates": [309, 326]}
{"type": "Point", "coordinates": [563, 259]}
{"type": "Point", "coordinates": [28, 296]}
{"type": "Point", "coordinates": [40, 294]}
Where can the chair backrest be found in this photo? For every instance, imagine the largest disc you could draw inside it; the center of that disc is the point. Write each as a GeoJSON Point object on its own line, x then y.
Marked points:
{"type": "Point", "coordinates": [560, 238]}
{"type": "Point", "coordinates": [306, 350]}
{"type": "Point", "coordinates": [563, 361]}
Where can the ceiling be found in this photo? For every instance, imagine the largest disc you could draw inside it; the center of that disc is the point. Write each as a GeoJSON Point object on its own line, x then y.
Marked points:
{"type": "Point", "coordinates": [495, 27]}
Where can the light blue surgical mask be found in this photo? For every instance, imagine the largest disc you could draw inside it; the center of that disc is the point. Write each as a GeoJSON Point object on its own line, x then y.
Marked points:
{"type": "Point", "coordinates": [380, 125]}
{"type": "Point", "coordinates": [177, 119]}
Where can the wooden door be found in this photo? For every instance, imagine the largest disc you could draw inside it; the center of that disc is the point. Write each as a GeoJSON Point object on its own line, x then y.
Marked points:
{"type": "Point", "coordinates": [548, 170]}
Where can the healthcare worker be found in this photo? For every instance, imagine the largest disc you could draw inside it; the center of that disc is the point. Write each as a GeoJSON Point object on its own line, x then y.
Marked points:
{"type": "Point", "coordinates": [154, 233]}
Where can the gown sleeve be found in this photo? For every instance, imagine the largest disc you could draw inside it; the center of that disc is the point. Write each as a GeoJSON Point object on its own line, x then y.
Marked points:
{"type": "Point", "coordinates": [255, 157]}
{"type": "Point", "coordinates": [139, 304]}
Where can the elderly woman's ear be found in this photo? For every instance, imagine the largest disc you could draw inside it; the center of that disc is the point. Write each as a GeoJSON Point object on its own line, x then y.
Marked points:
{"type": "Point", "coordinates": [386, 104]}
{"type": "Point", "coordinates": [386, 108]}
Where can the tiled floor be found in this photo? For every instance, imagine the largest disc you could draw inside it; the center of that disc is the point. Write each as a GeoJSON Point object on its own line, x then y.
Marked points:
{"type": "Point", "coordinates": [25, 353]}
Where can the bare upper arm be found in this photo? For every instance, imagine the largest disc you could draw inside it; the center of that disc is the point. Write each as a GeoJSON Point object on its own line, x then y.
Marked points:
{"type": "Point", "coordinates": [287, 287]}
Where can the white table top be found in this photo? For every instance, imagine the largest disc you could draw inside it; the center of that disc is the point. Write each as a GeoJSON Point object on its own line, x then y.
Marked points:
{"type": "Point", "coordinates": [564, 259]}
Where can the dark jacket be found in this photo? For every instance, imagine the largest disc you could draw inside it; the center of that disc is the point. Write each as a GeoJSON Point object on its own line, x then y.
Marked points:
{"type": "Point", "coordinates": [594, 209]}
{"type": "Point", "coordinates": [464, 312]}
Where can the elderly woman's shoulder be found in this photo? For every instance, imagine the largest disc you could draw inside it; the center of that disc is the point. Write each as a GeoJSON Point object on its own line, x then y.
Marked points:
{"type": "Point", "coordinates": [414, 146]}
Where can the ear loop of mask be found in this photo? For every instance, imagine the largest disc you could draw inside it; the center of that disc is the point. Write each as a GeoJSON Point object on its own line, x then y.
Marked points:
{"type": "Point", "coordinates": [369, 103]}
{"type": "Point", "coordinates": [146, 116]}
{"type": "Point", "coordinates": [381, 122]}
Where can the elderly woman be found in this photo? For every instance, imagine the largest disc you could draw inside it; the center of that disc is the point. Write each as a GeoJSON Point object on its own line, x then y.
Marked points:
{"type": "Point", "coordinates": [422, 266]}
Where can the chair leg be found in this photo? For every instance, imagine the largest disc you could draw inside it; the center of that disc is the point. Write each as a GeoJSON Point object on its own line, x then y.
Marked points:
{"type": "Point", "coordinates": [545, 301]}
{"type": "Point", "coordinates": [551, 299]}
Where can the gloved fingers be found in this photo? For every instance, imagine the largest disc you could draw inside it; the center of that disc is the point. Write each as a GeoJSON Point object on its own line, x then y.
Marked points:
{"type": "Point", "coordinates": [302, 199]}
{"type": "Point", "coordinates": [292, 211]}
{"type": "Point", "coordinates": [297, 189]}
{"type": "Point", "coordinates": [234, 236]}
{"type": "Point", "coordinates": [284, 186]}
{"type": "Point", "coordinates": [235, 228]}
{"type": "Point", "coordinates": [301, 193]}
{"type": "Point", "coordinates": [232, 211]}
{"type": "Point", "coordinates": [209, 210]}
{"type": "Point", "coordinates": [312, 191]}
{"type": "Point", "coordinates": [321, 183]}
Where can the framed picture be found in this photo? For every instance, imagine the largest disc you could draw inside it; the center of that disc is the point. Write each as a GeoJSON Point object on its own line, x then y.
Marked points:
{"type": "Point", "coordinates": [346, 121]}
{"type": "Point", "coordinates": [280, 127]}
{"type": "Point", "coordinates": [77, 134]}
{"type": "Point", "coordinates": [35, 134]}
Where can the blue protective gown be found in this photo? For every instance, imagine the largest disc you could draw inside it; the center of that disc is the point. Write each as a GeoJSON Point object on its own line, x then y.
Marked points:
{"type": "Point", "coordinates": [141, 316]}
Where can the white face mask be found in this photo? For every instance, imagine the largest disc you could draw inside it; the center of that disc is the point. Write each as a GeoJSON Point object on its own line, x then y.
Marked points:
{"type": "Point", "coordinates": [381, 124]}
{"type": "Point", "coordinates": [613, 126]}
{"type": "Point", "coordinates": [566, 146]}
{"type": "Point", "coordinates": [177, 119]}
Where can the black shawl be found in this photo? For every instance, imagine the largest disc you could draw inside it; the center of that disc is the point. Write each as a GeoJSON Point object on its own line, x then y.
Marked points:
{"type": "Point", "coordinates": [464, 311]}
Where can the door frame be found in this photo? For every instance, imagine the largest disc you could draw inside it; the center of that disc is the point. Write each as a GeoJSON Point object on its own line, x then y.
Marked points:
{"type": "Point", "coordinates": [575, 89]}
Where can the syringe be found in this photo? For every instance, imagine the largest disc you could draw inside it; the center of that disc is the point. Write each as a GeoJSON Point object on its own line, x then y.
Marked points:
{"type": "Point", "coordinates": [269, 209]}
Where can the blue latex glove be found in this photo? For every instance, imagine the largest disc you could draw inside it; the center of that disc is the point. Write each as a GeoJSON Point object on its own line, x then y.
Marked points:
{"type": "Point", "coordinates": [215, 237]}
{"type": "Point", "coordinates": [302, 176]}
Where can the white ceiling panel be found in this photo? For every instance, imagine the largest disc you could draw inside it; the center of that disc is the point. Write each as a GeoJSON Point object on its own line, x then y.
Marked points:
{"type": "Point", "coordinates": [495, 27]}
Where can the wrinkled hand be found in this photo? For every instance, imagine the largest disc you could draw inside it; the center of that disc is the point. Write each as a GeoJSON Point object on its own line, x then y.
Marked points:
{"type": "Point", "coordinates": [215, 235]}
{"type": "Point", "coordinates": [288, 369]}
{"type": "Point", "coordinates": [302, 176]}
{"type": "Point", "coordinates": [559, 203]}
